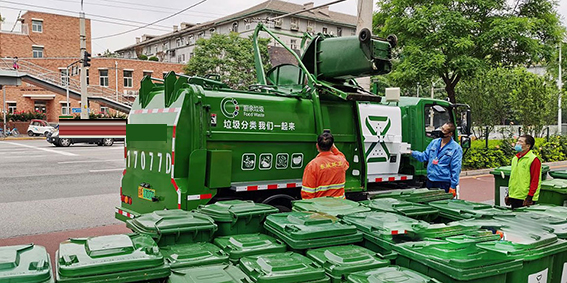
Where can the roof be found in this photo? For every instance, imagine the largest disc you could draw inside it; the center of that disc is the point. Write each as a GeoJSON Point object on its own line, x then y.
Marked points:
{"type": "Point", "coordinates": [273, 6]}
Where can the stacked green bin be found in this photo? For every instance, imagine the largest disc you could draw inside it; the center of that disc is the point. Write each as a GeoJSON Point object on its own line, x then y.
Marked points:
{"type": "Point", "coordinates": [461, 209]}
{"type": "Point", "coordinates": [474, 237]}
{"type": "Point", "coordinates": [538, 222]}
{"type": "Point", "coordinates": [546, 209]}
{"type": "Point", "coordinates": [238, 216]}
{"type": "Point", "coordinates": [456, 262]}
{"type": "Point", "coordinates": [422, 195]}
{"type": "Point", "coordinates": [543, 254]}
{"type": "Point", "coordinates": [113, 258]}
{"type": "Point", "coordinates": [288, 267]}
{"type": "Point", "coordinates": [553, 192]}
{"type": "Point", "coordinates": [558, 174]}
{"type": "Point", "coordinates": [390, 274]}
{"type": "Point", "coordinates": [304, 230]}
{"type": "Point", "coordinates": [441, 230]}
{"type": "Point", "coordinates": [25, 264]}
{"type": "Point", "coordinates": [340, 261]}
{"type": "Point", "coordinates": [382, 230]}
{"type": "Point", "coordinates": [329, 205]}
{"type": "Point", "coordinates": [239, 246]}
{"type": "Point", "coordinates": [406, 208]}
{"type": "Point", "coordinates": [196, 254]}
{"type": "Point", "coordinates": [177, 226]}
{"type": "Point", "coordinates": [501, 179]}
{"type": "Point", "coordinates": [209, 274]}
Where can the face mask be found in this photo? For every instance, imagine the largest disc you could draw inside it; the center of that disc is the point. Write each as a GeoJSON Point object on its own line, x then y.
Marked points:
{"type": "Point", "coordinates": [437, 134]}
{"type": "Point", "coordinates": [518, 148]}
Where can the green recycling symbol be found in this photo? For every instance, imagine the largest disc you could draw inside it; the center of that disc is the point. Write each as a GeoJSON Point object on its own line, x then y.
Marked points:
{"type": "Point", "coordinates": [375, 133]}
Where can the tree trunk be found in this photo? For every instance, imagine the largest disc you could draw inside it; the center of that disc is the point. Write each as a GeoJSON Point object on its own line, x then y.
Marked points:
{"type": "Point", "coordinates": [450, 88]}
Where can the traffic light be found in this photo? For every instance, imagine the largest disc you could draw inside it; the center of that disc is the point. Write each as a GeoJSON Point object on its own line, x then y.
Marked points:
{"type": "Point", "coordinates": [86, 59]}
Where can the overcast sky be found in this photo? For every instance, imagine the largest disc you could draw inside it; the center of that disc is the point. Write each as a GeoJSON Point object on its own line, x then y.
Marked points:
{"type": "Point", "coordinates": [115, 16]}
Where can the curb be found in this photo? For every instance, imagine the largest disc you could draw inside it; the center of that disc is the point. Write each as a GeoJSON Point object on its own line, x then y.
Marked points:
{"type": "Point", "coordinates": [21, 138]}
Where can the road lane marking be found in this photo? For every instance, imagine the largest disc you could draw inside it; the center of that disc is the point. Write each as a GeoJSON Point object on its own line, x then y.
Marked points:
{"type": "Point", "coordinates": [44, 149]}
{"type": "Point", "coordinates": [106, 170]}
{"type": "Point", "coordinates": [476, 176]}
{"type": "Point", "coordinates": [89, 161]}
{"type": "Point", "coordinates": [26, 156]}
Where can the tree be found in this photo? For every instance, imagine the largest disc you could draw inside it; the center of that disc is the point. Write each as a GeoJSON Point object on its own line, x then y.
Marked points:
{"type": "Point", "coordinates": [230, 56]}
{"type": "Point", "coordinates": [108, 54]}
{"type": "Point", "coordinates": [454, 39]}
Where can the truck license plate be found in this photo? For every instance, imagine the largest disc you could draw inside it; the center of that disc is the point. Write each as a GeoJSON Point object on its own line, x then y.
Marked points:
{"type": "Point", "coordinates": [145, 193]}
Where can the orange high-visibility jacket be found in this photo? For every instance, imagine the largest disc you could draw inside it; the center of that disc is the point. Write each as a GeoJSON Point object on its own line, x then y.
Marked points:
{"type": "Point", "coordinates": [324, 176]}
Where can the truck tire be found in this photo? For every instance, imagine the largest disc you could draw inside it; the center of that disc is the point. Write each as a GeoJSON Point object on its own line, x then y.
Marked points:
{"type": "Point", "coordinates": [64, 142]}
{"type": "Point", "coordinates": [107, 141]}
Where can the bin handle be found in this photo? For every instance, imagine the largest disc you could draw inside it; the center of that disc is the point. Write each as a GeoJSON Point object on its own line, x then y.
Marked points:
{"type": "Point", "coordinates": [502, 174]}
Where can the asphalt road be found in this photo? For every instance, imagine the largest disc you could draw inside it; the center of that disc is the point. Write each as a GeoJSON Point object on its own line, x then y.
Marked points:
{"type": "Point", "coordinates": [44, 188]}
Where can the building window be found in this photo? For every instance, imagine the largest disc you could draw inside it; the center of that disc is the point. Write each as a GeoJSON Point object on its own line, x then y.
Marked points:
{"type": "Point", "coordinates": [64, 108]}
{"type": "Point", "coordinates": [339, 31]}
{"type": "Point", "coordinates": [212, 30]}
{"type": "Point", "coordinates": [147, 74]}
{"type": "Point", "coordinates": [324, 30]}
{"type": "Point", "coordinates": [128, 78]}
{"type": "Point", "coordinates": [293, 44]}
{"type": "Point", "coordinates": [310, 26]}
{"type": "Point", "coordinates": [278, 23]}
{"type": "Point", "coordinates": [191, 55]}
{"type": "Point", "coordinates": [247, 26]}
{"type": "Point", "coordinates": [104, 109]}
{"type": "Point", "coordinates": [37, 51]}
{"type": "Point", "coordinates": [201, 35]}
{"type": "Point", "coordinates": [12, 108]}
{"type": "Point", "coordinates": [40, 106]}
{"type": "Point", "coordinates": [103, 76]}
{"type": "Point", "coordinates": [37, 25]}
{"type": "Point", "coordinates": [179, 42]}
{"type": "Point", "coordinates": [191, 39]}
{"type": "Point", "coordinates": [235, 27]}
{"type": "Point", "coordinates": [64, 76]}
{"type": "Point", "coordinates": [294, 24]}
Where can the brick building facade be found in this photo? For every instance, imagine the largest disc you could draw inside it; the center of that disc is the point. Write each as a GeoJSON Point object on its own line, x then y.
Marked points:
{"type": "Point", "coordinates": [45, 45]}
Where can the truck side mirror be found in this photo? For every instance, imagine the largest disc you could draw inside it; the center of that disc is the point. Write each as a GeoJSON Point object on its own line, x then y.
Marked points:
{"type": "Point", "coordinates": [467, 123]}
{"type": "Point", "coordinates": [465, 142]}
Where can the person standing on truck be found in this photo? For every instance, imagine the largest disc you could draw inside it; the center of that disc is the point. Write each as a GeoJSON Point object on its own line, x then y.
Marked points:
{"type": "Point", "coordinates": [324, 176]}
{"type": "Point", "coordinates": [444, 156]}
{"type": "Point", "coordinates": [524, 184]}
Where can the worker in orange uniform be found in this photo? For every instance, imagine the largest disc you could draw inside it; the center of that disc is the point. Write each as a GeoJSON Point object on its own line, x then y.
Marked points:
{"type": "Point", "coordinates": [324, 176]}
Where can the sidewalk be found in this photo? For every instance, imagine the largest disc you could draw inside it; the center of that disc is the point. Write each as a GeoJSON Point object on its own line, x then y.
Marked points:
{"type": "Point", "coordinates": [551, 165]}
{"type": "Point", "coordinates": [21, 137]}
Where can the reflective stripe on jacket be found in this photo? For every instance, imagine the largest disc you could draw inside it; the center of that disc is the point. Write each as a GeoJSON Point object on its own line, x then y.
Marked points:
{"type": "Point", "coordinates": [324, 176]}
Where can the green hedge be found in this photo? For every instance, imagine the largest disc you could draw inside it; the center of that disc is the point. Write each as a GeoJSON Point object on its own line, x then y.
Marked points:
{"type": "Point", "coordinates": [500, 152]}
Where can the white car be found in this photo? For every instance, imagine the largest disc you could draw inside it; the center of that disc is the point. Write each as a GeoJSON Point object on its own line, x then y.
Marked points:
{"type": "Point", "coordinates": [39, 128]}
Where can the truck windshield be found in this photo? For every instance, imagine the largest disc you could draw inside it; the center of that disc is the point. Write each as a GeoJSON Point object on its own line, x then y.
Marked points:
{"type": "Point", "coordinates": [435, 117]}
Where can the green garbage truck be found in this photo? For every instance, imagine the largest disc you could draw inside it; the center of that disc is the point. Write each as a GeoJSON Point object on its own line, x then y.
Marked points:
{"type": "Point", "coordinates": [192, 141]}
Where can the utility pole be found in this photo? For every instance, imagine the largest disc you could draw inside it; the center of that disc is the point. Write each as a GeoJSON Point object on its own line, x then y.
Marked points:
{"type": "Point", "coordinates": [116, 78]}
{"type": "Point", "coordinates": [84, 94]}
{"type": "Point", "coordinates": [560, 85]}
{"type": "Point", "coordinates": [4, 110]}
{"type": "Point", "coordinates": [364, 13]}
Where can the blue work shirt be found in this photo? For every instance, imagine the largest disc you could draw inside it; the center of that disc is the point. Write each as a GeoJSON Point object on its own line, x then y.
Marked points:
{"type": "Point", "coordinates": [449, 160]}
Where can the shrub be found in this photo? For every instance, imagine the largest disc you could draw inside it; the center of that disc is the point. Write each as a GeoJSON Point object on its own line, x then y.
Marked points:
{"type": "Point", "coordinates": [142, 57]}
{"type": "Point", "coordinates": [153, 58]}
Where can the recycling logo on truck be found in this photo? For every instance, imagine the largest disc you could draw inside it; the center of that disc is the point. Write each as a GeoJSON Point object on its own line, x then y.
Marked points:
{"type": "Point", "coordinates": [229, 107]}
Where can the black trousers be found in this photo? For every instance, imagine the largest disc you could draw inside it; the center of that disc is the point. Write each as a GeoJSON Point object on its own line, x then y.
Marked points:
{"type": "Point", "coordinates": [517, 203]}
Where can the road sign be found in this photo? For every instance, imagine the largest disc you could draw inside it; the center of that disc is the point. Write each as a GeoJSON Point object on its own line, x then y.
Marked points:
{"type": "Point", "coordinates": [76, 110]}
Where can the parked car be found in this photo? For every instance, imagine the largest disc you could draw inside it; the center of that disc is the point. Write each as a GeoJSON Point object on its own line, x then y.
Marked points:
{"type": "Point", "coordinates": [54, 139]}
{"type": "Point", "coordinates": [39, 128]}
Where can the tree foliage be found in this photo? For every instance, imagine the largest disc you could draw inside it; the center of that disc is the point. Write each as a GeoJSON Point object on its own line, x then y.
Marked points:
{"type": "Point", "coordinates": [230, 56]}
{"type": "Point", "coordinates": [454, 39]}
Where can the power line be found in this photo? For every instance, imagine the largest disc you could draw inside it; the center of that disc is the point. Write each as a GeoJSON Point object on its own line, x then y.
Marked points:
{"type": "Point", "coordinates": [97, 20]}
{"type": "Point", "coordinates": [154, 22]}
{"type": "Point", "coordinates": [163, 8]}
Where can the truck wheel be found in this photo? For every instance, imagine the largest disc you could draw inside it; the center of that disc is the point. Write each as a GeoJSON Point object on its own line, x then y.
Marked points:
{"type": "Point", "coordinates": [280, 201]}
{"type": "Point", "coordinates": [64, 142]}
{"type": "Point", "coordinates": [30, 133]}
{"type": "Point", "coordinates": [108, 141]}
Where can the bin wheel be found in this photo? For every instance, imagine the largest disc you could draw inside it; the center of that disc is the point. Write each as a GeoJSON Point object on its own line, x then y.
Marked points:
{"type": "Point", "coordinates": [364, 35]}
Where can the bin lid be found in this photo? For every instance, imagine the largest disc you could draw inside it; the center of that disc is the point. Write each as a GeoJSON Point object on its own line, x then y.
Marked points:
{"type": "Point", "coordinates": [547, 209]}
{"type": "Point", "coordinates": [506, 170]}
{"type": "Point", "coordinates": [538, 222]}
{"type": "Point", "coordinates": [520, 243]}
{"type": "Point", "coordinates": [560, 174]}
{"type": "Point", "coordinates": [163, 222]}
{"type": "Point", "coordinates": [238, 246]}
{"type": "Point", "coordinates": [461, 261]}
{"type": "Point", "coordinates": [555, 185]}
{"type": "Point", "coordinates": [329, 205]}
{"type": "Point", "coordinates": [339, 261]}
{"type": "Point", "coordinates": [390, 274]}
{"type": "Point", "coordinates": [232, 210]}
{"type": "Point", "coordinates": [107, 254]}
{"type": "Point", "coordinates": [405, 193]}
{"type": "Point", "coordinates": [468, 209]}
{"type": "Point", "coordinates": [24, 263]}
{"type": "Point", "coordinates": [224, 273]}
{"type": "Point", "coordinates": [381, 224]}
{"type": "Point", "coordinates": [288, 267]}
{"type": "Point", "coordinates": [441, 230]}
{"type": "Point", "coordinates": [474, 237]}
{"type": "Point", "coordinates": [400, 206]}
{"type": "Point", "coordinates": [308, 225]}
{"type": "Point", "coordinates": [195, 254]}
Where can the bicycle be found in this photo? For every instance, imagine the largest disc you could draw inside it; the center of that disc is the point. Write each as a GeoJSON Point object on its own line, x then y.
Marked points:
{"type": "Point", "coordinates": [10, 132]}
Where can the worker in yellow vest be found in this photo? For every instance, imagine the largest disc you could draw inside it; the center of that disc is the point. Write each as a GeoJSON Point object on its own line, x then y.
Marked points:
{"type": "Point", "coordinates": [524, 185]}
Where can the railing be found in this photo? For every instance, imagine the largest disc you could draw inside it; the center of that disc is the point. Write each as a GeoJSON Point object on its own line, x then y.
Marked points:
{"type": "Point", "coordinates": [59, 79]}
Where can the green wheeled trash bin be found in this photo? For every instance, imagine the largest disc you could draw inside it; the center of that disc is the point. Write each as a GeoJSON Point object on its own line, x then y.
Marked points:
{"type": "Point", "coordinates": [110, 259]}
{"type": "Point", "coordinates": [208, 274]}
{"type": "Point", "coordinates": [410, 209]}
{"type": "Point", "coordinates": [501, 179]}
{"type": "Point", "coordinates": [329, 205]}
{"type": "Point", "coordinates": [194, 254]}
{"type": "Point", "coordinates": [288, 267]}
{"type": "Point", "coordinates": [238, 216]}
{"type": "Point", "coordinates": [390, 274]}
{"type": "Point", "coordinates": [340, 261]}
{"type": "Point", "coordinates": [558, 174]}
{"type": "Point", "coordinates": [25, 264]}
{"type": "Point", "coordinates": [553, 192]}
{"type": "Point", "coordinates": [239, 246]}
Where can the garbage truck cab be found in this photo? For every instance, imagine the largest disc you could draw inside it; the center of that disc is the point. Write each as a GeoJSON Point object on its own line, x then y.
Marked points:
{"type": "Point", "coordinates": [192, 141]}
